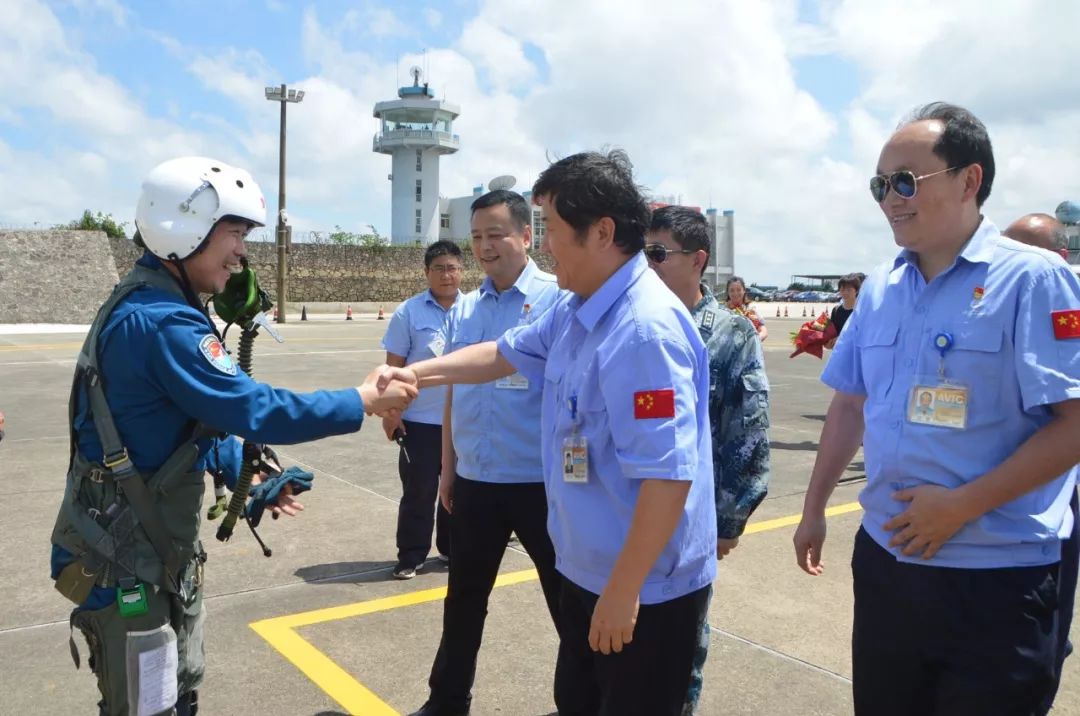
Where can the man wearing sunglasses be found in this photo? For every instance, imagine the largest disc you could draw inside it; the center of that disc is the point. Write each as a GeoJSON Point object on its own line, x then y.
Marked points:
{"type": "Point", "coordinates": [677, 247]}
{"type": "Point", "coordinates": [956, 566]}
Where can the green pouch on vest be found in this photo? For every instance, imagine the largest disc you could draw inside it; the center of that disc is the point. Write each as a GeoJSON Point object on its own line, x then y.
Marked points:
{"type": "Point", "coordinates": [132, 601]}
{"type": "Point", "coordinates": [75, 582]}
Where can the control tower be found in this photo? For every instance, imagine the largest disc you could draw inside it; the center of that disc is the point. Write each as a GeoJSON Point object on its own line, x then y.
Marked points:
{"type": "Point", "coordinates": [416, 129]}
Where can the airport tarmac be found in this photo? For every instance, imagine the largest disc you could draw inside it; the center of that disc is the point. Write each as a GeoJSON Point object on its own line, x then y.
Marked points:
{"type": "Point", "coordinates": [322, 628]}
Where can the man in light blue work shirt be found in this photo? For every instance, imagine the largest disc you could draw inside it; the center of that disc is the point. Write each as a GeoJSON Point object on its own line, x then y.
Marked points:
{"type": "Point", "coordinates": [492, 477]}
{"type": "Point", "coordinates": [626, 445]}
{"type": "Point", "coordinates": [956, 565]}
{"type": "Point", "coordinates": [415, 333]}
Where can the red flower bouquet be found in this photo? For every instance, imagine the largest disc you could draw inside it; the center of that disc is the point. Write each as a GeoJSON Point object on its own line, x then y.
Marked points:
{"type": "Point", "coordinates": [813, 336]}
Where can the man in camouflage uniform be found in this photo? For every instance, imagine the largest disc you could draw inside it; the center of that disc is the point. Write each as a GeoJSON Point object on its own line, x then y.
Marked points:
{"type": "Point", "coordinates": [678, 250]}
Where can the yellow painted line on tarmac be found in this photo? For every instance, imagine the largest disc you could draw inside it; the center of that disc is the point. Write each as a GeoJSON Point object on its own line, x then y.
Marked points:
{"type": "Point", "coordinates": [342, 687]}
{"type": "Point", "coordinates": [766, 525]}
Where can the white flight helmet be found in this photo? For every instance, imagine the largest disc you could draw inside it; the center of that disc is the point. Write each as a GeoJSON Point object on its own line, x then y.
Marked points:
{"type": "Point", "coordinates": [183, 198]}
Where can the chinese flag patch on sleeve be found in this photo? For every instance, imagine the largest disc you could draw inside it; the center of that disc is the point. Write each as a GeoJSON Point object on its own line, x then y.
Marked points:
{"type": "Point", "coordinates": [654, 404]}
{"type": "Point", "coordinates": [1066, 324]}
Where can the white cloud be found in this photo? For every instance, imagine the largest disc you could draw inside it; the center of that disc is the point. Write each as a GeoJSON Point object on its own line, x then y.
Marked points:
{"type": "Point", "coordinates": [376, 22]}
{"type": "Point", "coordinates": [703, 96]}
{"type": "Point", "coordinates": [112, 8]}
{"type": "Point", "coordinates": [497, 53]}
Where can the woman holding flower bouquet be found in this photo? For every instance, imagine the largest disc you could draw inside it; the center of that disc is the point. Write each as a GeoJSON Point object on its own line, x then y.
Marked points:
{"type": "Point", "coordinates": [739, 301]}
{"type": "Point", "coordinates": [849, 292]}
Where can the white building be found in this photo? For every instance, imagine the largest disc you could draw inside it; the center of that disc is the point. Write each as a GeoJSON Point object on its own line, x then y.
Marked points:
{"type": "Point", "coordinates": [455, 220]}
{"type": "Point", "coordinates": [722, 258]}
{"type": "Point", "coordinates": [416, 129]}
{"type": "Point", "coordinates": [455, 215]}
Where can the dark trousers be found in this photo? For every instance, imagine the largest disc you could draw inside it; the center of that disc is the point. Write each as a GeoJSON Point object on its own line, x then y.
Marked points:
{"type": "Point", "coordinates": [1070, 563]}
{"type": "Point", "coordinates": [939, 641]}
{"type": "Point", "coordinates": [419, 510]}
{"type": "Point", "coordinates": [649, 677]}
{"type": "Point", "coordinates": [484, 516]}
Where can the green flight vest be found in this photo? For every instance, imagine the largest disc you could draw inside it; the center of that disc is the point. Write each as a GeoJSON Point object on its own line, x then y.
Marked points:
{"type": "Point", "coordinates": [119, 523]}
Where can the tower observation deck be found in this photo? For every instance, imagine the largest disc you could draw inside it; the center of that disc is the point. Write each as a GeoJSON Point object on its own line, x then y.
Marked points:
{"type": "Point", "coordinates": [415, 130]}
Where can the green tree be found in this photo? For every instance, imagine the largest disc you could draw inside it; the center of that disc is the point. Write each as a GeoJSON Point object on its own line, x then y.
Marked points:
{"type": "Point", "coordinates": [97, 222]}
{"type": "Point", "coordinates": [341, 237]}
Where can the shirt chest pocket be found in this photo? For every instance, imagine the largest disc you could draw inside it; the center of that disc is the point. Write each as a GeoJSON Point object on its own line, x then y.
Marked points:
{"type": "Point", "coordinates": [467, 335]}
{"type": "Point", "coordinates": [877, 357]}
{"type": "Point", "coordinates": [427, 333]}
{"type": "Point", "coordinates": [977, 361]}
{"type": "Point", "coordinates": [592, 410]}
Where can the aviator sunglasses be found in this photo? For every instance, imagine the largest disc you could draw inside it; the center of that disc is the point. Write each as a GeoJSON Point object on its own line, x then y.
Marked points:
{"type": "Point", "coordinates": [658, 253]}
{"type": "Point", "coordinates": [903, 182]}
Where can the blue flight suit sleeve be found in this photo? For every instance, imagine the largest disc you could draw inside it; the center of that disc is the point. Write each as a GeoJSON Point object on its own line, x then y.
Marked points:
{"type": "Point", "coordinates": [1047, 368]}
{"type": "Point", "coordinates": [234, 403]}
{"type": "Point", "coordinates": [664, 448]}
{"type": "Point", "coordinates": [397, 339]}
{"type": "Point", "coordinates": [739, 414]}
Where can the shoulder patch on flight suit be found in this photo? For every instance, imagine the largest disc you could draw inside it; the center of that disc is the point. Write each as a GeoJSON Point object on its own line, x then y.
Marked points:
{"type": "Point", "coordinates": [706, 320]}
{"type": "Point", "coordinates": [216, 354]}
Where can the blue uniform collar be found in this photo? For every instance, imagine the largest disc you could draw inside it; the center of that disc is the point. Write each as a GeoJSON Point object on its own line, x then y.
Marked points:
{"type": "Point", "coordinates": [707, 299]}
{"type": "Point", "coordinates": [149, 261]}
{"type": "Point", "coordinates": [590, 312]}
{"type": "Point", "coordinates": [429, 297]}
{"type": "Point", "coordinates": [978, 249]}
{"type": "Point", "coordinates": [522, 284]}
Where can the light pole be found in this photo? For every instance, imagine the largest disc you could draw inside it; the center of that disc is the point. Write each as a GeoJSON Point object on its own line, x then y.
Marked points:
{"type": "Point", "coordinates": [283, 95]}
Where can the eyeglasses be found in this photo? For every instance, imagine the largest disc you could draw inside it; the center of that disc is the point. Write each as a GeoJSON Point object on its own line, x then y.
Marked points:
{"type": "Point", "coordinates": [903, 182]}
{"type": "Point", "coordinates": [658, 253]}
{"type": "Point", "coordinates": [451, 270]}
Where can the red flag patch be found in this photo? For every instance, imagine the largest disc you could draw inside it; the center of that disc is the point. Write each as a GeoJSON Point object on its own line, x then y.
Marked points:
{"type": "Point", "coordinates": [1066, 324]}
{"type": "Point", "coordinates": [654, 404]}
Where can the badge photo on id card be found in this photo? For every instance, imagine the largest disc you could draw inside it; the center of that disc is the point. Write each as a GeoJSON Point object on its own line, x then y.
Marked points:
{"type": "Point", "coordinates": [513, 382]}
{"type": "Point", "coordinates": [940, 404]}
{"type": "Point", "coordinates": [575, 459]}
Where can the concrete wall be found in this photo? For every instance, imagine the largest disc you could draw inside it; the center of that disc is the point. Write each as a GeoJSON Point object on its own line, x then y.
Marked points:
{"type": "Point", "coordinates": [54, 276]}
{"type": "Point", "coordinates": [340, 274]}
{"type": "Point", "coordinates": [63, 276]}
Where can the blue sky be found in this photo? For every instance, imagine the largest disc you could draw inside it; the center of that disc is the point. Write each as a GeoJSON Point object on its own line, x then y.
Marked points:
{"type": "Point", "coordinates": [775, 109]}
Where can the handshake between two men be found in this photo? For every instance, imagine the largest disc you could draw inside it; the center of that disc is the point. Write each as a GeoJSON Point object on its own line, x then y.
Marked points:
{"type": "Point", "coordinates": [388, 390]}
{"type": "Point", "coordinates": [384, 394]}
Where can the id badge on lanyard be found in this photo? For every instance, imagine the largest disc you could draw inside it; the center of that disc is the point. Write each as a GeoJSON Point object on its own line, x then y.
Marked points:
{"type": "Point", "coordinates": [939, 400]}
{"type": "Point", "coordinates": [575, 464]}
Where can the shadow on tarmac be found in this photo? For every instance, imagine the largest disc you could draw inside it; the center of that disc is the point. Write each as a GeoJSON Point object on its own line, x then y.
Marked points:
{"type": "Point", "coordinates": [804, 445]}
{"type": "Point", "coordinates": [358, 572]}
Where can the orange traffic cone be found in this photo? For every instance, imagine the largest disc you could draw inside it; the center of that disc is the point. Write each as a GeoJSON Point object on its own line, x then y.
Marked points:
{"type": "Point", "coordinates": [381, 317]}
{"type": "Point", "coordinates": [804, 311]}
{"type": "Point", "coordinates": [778, 311]}
{"type": "Point", "coordinates": [785, 312]}
{"type": "Point", "coordinates": [303, 313]}
{"type": "Point", "coordinates": [348, 313]}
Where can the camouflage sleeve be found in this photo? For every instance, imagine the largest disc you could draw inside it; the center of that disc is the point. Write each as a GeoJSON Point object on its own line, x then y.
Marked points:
{"type": "Point", "coordinates": [741, 447]}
